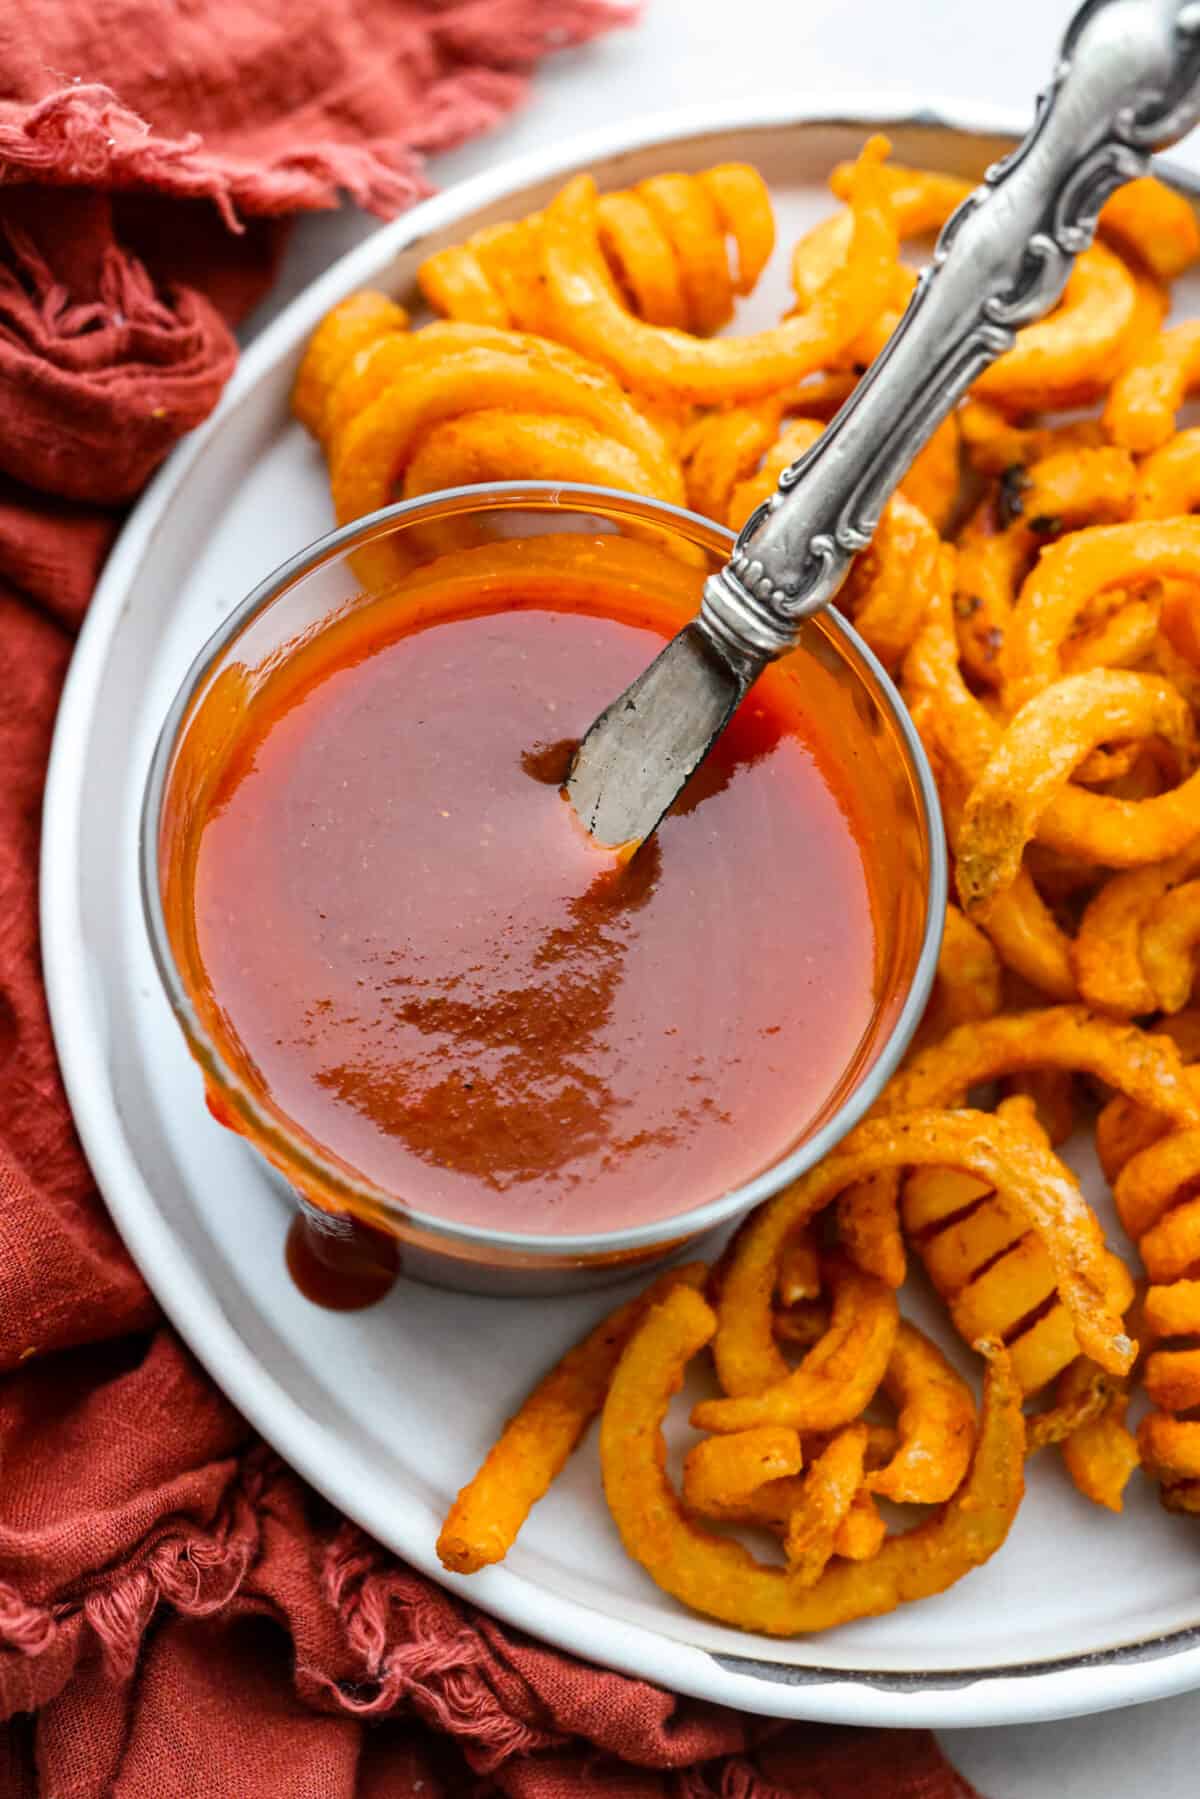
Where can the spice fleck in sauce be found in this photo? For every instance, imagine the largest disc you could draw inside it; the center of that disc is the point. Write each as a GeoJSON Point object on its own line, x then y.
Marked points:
{"type": "Point", "coordinates": [444, 982]}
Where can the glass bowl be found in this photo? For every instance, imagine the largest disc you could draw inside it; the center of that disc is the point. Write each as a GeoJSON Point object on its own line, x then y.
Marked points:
{"type": "Point", "coordinates": [353, 567]}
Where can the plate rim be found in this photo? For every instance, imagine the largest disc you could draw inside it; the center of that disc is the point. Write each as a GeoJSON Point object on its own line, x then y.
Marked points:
{"type": "Point", "coordinates": [1124, 1674]}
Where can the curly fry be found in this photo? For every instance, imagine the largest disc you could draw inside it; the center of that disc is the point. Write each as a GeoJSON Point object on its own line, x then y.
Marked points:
{"type": "Point", "coordinates": [663, 250]}
{"type": "Point", "coordinates": [498, 445]}
{"type": "Point", "coordinates": [718, 1468]}
{"type": "Point", "coordinates": [721, 1473]}
{"type": "Point", "coordinates": [393, 358]}
{"type": "Point", "coordinates": [937, 1423]}
{"type": "Point", "coordinates": [1001, 542]}
{"type": "Point", "coordinates": [868, 1222]}
{"type": "Point", "coordinates": [456, 285]}
{"type": "Point", "coordinates": [358, 321]}
{"type": "Point", "coordinates": [1072, 575]}
{"type": "Point", "coordinates": [1169, 1446]}
{"type": "Point", "coordinates": [1122, 638]}
{"type": "Point", "coordinates": [511, 257]}
{"type": "Point", "coordinates": [828, 1491]}
{"type": "Point", "coordinates": [970, 1240]}
{"type": "Point", "coordinates": [819, 254]}
{"type": "Point", "coordinates": [1155, 222]}
{"type": "Point", "coordinates": [1172, 1311]}
{"type": "Point", "coordinates": [1072, 355]}
{"type": "Point", "coordinates": [968, 983]}
{"type": "Point", "coordinates": [1106, 953]}
{"type": "Point", "coordinates": [867, 345]}
{"type": "Point", "coordinates": [482, 1524]}
{"type": "Point", "coordinates": [654, 359]}
{"type": "Point", "coordinates": [1150, 1182]}
{"type": "Point", "coordinates": [1172, 1379]}
{"type": "Point", "coordinates": [743, 205]}
{"type": "Point", "coordinates": [960, 735]}
{"type": "Point", "coordinates": [373, 449]}
{"type": "Point", "coordinates": [798, 437]}
{"type": "Point", "coordinates": [1181, 622]}
{"type": "Point", "coordinates": [921, 199]}
{"type": "Point", "coordinates": [888, 588]}
{"type": "Point", "coordinates": [1145, 1067]}
{"type": "Point", "coordinates": [1043, 1350]}
{"type": "Point", "coordinates": [637, 249]}
{"type": "Point", "coordinates": [799, 1270]}
{"type": "Point", "coordinates": [1083, 1404]}
{"type": "Point", "coordinates": [1123, 1129]}
{"type": "Point", "coordinates": [1029, 1177]}
{"type": "Point", "coordinates": [684, 209]}
{"type": "Point", "coordinates": [1179, 670]}
{"type": "Point", "coordinates": [1169, 941]}
{"type": "Point", "coordinates": [1172, 1247]}
{"type": "Point", "coordinates": [1168, 481]}
{"type": "Point", "coordinates": [995, 443]}
{"type": "Point", "coordinates": [964, 1231]}
{"type": "Point", "coordinates": [934, 480]}
{"type": "Point", "coordinates": [1100, 1454]}
{"type": "Point", "coordinates": [717, 1576]}
{"type": "Point", "coordinates": [1007, 1289]}
{"type": "Point", "coordinates": [862, 1531]}
{"type": "Point", "coordinates": [1052, 1091]}
{"type": "Point", "coordinates": [1144, 400]}
{"type": "Point", "coordinates": [837, 1378]}
{"type": "Point", "coordinates": [1105, 312]}
{"type": "Point", "coordinates": [724, 448]}
{"type": "Point", "coordinates": [1032, 765]}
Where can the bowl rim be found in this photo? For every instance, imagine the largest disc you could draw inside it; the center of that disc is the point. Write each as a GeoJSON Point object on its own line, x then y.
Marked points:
{"type": "Point", "coordinates": [677, 1227]}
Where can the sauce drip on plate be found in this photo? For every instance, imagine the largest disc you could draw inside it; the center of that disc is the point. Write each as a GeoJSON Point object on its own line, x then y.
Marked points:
{"type": "Point", "coordinates": [343, 1270]}
{"type": "Point", "coordinates": [409, 940]}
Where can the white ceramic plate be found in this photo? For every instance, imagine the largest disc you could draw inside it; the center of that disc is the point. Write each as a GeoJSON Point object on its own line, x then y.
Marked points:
{"type": "Point", "coordinates": [388, 1411]}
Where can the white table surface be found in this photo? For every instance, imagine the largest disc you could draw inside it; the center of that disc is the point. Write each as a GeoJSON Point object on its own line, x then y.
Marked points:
{"type": "Point", "coordinates": [687, 51]}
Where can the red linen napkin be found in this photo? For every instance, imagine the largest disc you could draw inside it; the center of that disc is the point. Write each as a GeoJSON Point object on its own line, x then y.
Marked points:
{"type": "Point", "coordinates": [179, 1614]}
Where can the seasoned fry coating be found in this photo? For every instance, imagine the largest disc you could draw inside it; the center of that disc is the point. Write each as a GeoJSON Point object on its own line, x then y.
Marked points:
{"type": "Point", "coordinates": [936, 1422]}
{"type": "Point", "coordinates": [1100, 1454]}
{"type": "Point", "coordinates": [1021, 1171]}
{"type": "Point", "coordinates": [1032, 766]}
{"type": "Point", "coordinates": [1154, 221]}
{"type": "Point", "coordinates": [1107, 951]}
{"type": "Point", "coordinates": [358, 321]}
{"type": "Point", "coordinates": [799, 1270]}
{"type": "Point", "coordinates": [482, 1524]}
{"type": "Point", "coordinates": [715, 1575]}
{"type": "Point", "coordinates": [828, 1492]}
{"type": "Point", "coordinates": [837, 1378]}
{"type": "Point", "coordinates": [1071, 356]}
{"type": "Point", "coordinates": [1141, 409]}
{"type": "Point", "coordinates": [1001, 542]}
{"type": "Point", "coordinates": [1145, 1066]}
{"type": "Point", "coordinates": [868, 1222]}
{"type": "Point", "coordinates": [654, 359]}
{"type": "Point", "coordinates": [1170, 938]}
{"type": "Point", "coordinates": [1075, 573]}
{"type": "Point", "coordinates": [720, 1473]}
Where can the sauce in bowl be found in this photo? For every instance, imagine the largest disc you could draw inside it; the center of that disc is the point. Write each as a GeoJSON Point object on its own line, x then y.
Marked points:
{"type": "Point", "coordinates": [398, 932]}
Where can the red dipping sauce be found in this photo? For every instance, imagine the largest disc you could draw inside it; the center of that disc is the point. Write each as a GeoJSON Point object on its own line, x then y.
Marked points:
{"type": "Point", "coordinates": [407, 939]}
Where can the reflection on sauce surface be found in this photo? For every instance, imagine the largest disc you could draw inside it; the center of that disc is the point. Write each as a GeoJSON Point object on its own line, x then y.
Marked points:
{"type": "Point", "coordinates": [448, 985]}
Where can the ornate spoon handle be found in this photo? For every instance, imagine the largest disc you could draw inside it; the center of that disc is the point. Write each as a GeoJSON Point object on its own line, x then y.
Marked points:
{"type": "Point", "coordinates": [1127, 82]}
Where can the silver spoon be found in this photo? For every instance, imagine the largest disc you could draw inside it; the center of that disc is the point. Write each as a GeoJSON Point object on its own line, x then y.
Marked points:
{"type": "Point", "coordinates": [1127, 83]}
